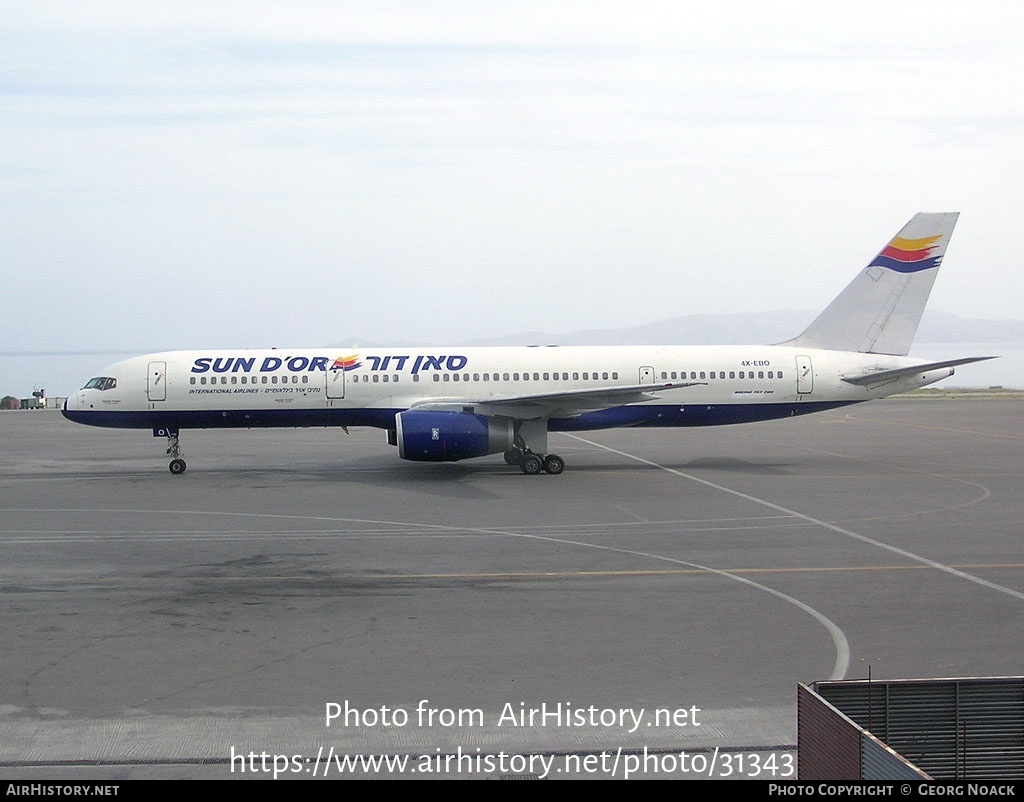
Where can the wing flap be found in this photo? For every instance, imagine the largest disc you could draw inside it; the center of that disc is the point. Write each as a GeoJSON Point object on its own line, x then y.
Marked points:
{"type": "Point", "coordinates": [565, 403]}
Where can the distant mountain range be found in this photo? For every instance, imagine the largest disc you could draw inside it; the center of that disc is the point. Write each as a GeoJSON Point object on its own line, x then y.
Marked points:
{"type": "Point", "coordinates": [740, 329]}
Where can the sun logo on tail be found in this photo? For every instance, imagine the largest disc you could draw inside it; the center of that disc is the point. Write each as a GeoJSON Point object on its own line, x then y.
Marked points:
{"type": "Point", "coordinates": [909, 255]}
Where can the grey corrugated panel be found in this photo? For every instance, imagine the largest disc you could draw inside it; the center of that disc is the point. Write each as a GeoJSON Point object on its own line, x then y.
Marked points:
{"type": "Point", "coordinates": [828, 743]}
{"type": "Point", "coordinates": [971, 728]}
{"type": "Point", "coordinates": [879, 762]}
{"type": "Point", "coordinates": [862, 701]}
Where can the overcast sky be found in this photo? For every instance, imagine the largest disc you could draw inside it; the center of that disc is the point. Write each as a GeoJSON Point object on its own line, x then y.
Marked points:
{"type": "Point", "coordinates": [227, 174]}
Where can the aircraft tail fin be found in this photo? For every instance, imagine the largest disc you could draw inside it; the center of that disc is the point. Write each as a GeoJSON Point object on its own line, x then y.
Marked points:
{"type": "Point", "coordinates": [879, 311]}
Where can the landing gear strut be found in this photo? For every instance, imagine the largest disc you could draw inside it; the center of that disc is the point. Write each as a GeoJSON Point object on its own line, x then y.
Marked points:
{"type": "Point", "coordinates": [177, 465]}
{"type": "Point", "coordinates": [533, 433]}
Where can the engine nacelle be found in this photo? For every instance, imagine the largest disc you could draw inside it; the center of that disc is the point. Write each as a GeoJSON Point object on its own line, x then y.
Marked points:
{"type": "Point", "coordinates": [449, 436]}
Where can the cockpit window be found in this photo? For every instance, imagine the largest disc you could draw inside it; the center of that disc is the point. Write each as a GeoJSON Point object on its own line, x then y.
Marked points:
{"type": "Point", "coordinates": [100, 383]}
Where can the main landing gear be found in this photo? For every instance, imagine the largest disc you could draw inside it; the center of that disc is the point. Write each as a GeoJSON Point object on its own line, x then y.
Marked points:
{"type": "Point", "coordinates": [532, 464]}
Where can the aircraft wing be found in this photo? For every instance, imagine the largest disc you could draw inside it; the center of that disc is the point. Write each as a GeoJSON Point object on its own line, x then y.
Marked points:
{"type": "Point", "coordinates": [875, 378]}
{"type": "Point", "coordinates": [548, 405]}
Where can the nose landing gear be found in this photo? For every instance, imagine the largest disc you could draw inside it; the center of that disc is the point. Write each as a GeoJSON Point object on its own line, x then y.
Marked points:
{"type": "Point", "coordinates": [177, 465]}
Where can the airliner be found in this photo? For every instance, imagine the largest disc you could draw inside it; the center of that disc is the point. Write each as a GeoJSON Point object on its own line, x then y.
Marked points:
{"type": "Point", "coordinates": [451, 403]}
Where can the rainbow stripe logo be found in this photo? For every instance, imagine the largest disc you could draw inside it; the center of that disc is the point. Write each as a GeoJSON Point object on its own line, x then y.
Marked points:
{"type": "Point", "coordinates": [909, 255]}
{"type": "Point", "coordinates": [346, 363]}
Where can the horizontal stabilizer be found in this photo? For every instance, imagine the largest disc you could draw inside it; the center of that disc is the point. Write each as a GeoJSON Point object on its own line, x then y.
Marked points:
{"type": "Point", "coordinates": [882, 376]}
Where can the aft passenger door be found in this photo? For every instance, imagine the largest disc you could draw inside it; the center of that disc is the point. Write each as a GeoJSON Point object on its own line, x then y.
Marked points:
{"type": "Point", "coordinates": [804, 375]}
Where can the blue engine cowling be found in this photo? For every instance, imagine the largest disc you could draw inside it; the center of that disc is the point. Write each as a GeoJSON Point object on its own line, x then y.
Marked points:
{"type": "Point", "coordinates": [449, 436]}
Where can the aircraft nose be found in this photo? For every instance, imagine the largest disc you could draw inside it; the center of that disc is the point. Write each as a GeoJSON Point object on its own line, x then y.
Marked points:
{"type": "Point", "coordinates": [70, 406]}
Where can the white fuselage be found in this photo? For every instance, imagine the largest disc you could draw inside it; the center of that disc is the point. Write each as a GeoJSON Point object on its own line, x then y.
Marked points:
{"type": "Point", "coordinates": [323, 387]}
